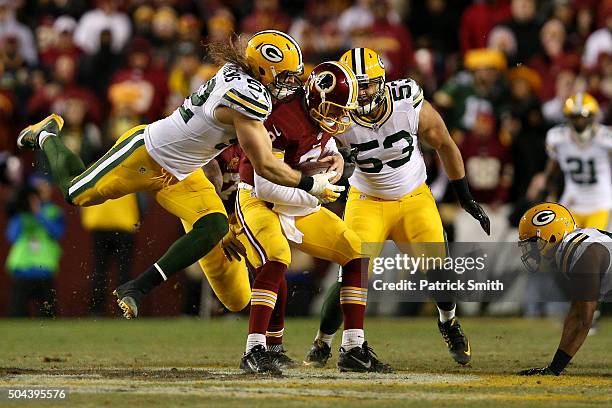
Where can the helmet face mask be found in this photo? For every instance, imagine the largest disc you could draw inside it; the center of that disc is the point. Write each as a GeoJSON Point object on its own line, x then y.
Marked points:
{"type": "Point", "coordinates": [285, 84]}
{"type": "Point", "coordinates": [371, 96]}
{"type": "Point", "coordinates": [583, 127]}
{"type": "Point", "coordinates": [531, 253]}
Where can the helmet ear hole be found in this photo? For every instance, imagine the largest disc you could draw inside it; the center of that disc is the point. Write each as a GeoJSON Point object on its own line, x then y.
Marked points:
{"type": "Point", "coordinates": [553, 239]}
{"type": "Point", "coordinates": [262, 71]}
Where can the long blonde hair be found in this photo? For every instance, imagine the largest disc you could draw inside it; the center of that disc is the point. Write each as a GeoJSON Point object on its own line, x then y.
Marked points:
{"type": "Point", "coordinates": [231, 51]}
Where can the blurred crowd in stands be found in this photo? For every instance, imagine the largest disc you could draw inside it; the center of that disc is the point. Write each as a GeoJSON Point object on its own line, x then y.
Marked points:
{"type": "Point", "coordinates": [497, 70]}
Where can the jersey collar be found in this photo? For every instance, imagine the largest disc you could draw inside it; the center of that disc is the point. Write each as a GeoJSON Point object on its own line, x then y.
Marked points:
{"type": "Point", "coordinates": [376, 123]}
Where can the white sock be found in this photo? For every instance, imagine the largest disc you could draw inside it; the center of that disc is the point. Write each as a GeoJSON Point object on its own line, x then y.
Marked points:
{"type": "Point", "coordinates": [352, 338]}
{"type": "Point", "coordinates": [325, 338]}
{"type": "Point", "coordinates": [254, 339]}
{"type": "Point", "coordinates": [446, 315]}
{"type": "Point", "coordinates": [43, 136]}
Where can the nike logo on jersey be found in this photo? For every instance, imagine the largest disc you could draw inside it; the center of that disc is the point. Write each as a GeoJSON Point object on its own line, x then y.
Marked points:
{"type": "Point", "coordinates": [274, 133]}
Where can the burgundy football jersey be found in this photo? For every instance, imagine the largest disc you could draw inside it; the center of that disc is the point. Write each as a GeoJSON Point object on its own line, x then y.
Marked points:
{"type": "Point", "coordinates": [291, 131]}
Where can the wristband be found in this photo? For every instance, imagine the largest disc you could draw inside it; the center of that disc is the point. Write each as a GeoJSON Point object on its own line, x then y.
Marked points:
{"type": "Point", "coordinates": [560, 361]}
{"type": "Point", "coordinates": [306, 183]}
{"type": "Point", "coordinates": [462, 190]}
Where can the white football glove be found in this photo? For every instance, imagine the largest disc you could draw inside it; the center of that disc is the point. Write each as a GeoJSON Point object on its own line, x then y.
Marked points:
{"type": "Point", "coordinates": [325, 191]}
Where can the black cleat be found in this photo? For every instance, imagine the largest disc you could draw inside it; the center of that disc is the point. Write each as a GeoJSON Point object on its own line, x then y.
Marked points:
{"type": "Point", "coordinates": [319, 354]}
{"type": "Point", "coordinates": [28, 137]}
{"type": "Point", "coordinates": [458, 344]}
{"type": "Point", "coordinates": [258, 361]}
{"type": "Point", "coordinates": [362, 360]}
{"type": "Point", "coordinates": [128, 299]}
{"type": "Point", "coordinates": [281, 359]}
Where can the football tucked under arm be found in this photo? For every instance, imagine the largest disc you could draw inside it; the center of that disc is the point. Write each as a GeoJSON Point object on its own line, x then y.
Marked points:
{"type": "Point", "coordinates": [277, 194]}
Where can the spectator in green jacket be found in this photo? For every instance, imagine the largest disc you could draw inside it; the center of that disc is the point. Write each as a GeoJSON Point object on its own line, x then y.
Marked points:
{"type": "Point", "coordinates": [34, 228]}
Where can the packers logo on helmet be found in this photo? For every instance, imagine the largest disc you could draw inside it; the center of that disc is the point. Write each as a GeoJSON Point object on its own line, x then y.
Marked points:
{"type": "Point", "coordinates": [370, 72]}
{"type": "Point", "coordinates": [581, 110]}
{"type": "Point", "coordinates": [541, 229]}
{"type": "Point", "coordinates": [276, 58]}
{"type": "Point", "coordinates": [543, 217]}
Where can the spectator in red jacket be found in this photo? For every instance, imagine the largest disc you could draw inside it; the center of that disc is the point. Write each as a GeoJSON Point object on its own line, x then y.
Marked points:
{"type": "Point", "coordinates": [391, 40]}
{"type": "Point", "coordinates": [267, 15]}
{"type": "Point", "coordinates": [62, 43]}
{"type": "Point", "coordinates": [553, 58]}
{"type": "Point", "coordinates": [478, 20]}
{"type": "Point", "coordinates": [149, 83]}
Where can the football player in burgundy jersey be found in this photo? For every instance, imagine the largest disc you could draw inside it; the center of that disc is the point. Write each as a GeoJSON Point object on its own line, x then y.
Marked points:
{"type": "Point", "coordinates": [270, 215]}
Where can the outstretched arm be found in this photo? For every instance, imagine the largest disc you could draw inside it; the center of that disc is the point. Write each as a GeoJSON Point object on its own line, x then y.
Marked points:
{"type": "Point", "coordinates": [432, 130]}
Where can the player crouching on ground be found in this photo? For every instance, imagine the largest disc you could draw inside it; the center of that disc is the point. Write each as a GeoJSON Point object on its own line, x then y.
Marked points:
{"type": "Point", "coordinates": [389, 199]}
{"type": "Point", "coordinates": [270, 215]}
{"type": "Point", "coordinates": [583, 256]}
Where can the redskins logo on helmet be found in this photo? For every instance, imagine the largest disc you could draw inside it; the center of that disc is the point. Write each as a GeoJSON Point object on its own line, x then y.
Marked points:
{"type": "Point", "coordinates": [370, 72]}
{"type": "Point", "coordinates": [581, 110]}
{"type": "Point", "coordinates": [331, 92]}
{"type": "Point", "coordinates": [276, 58]}
{"type": "Point", "coordinates": [541, 229]}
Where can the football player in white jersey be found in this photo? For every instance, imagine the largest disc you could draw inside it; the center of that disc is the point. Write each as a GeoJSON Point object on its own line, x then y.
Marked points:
{"type": "Point", "coordinates": [389, 198]}
{"type": "Point", "coordinates": [582, 256]}
{"type": "Point", "coordinates": [582, 151]}
{"type": "Point", "coordinates": [166, 158]}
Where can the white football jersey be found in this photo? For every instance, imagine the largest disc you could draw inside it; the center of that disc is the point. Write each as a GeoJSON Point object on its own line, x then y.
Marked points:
{"type": "Point", "coordinates": [191, 136]}
{"type": "Point", "coordinates": [586, 168]}
{"type": "Point", "coordinates": [389, 162]}
{"type": "Point", "coordinates": [573, 246]}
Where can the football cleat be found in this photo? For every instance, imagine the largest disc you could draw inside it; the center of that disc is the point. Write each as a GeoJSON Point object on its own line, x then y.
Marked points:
{"type": "Point", "coordinates": [319, 354]}
{"type": "Point", "coordinates": [458, 344]}
{"type": "Point", "coordinates": [128, 299]}
{"type": "Point", "coordinates": [281, 359]}
{"type": "Point", "coordinates": [258, 361]}
{"type": "Point", "coordinates": [28, 137]}
{"type": "Point", "coordinates": [362, 360]}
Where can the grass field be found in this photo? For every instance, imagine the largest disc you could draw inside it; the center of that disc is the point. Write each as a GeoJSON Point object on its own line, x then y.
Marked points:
{"type": "Point", "coordinates": [184, 362]}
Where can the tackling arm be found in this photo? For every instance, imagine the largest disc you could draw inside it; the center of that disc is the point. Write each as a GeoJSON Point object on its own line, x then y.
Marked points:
{"type": "Point", "coordinates": [433, 131]}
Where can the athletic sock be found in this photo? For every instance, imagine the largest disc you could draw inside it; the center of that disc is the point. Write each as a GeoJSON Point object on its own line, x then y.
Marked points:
{"type": "Point", "coordinates": [325, 338]}
{"type": "Point", "coordinates": [150, 279]}
{"type": "Point", "coordinates": [263, 298]}
{"type": "Point", "coordinates": [352, 338]}
{"type": "Point", "coordinates": [43, 136]}
{"type": "Point", "coordinates": [276, 326]}
{"type": "Point", "coordinates": [255, 339]}
{"type": "Point", "coordinates": [331, 311]}
{"type": "Point", "coordinates": [188, 249]}
{"type": "Point", "coordinates": [354, 293]}
{"type": "Point", "coordinates": [446, 315]}
{"type": "Point", "coordinates": [65, 165]}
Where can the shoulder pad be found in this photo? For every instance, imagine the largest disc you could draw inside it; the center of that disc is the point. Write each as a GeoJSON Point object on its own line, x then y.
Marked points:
{"type": "Point", "coordinates": [245, 94]}
{"type": "Point", "coordinates": [406, 90]}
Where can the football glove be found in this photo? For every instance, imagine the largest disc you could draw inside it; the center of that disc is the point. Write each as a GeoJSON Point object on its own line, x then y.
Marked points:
{"type": "Point", "coordinates": [325, 191]}
{"type": "Point", "coordinates": [538, 371]}
{"type": "Point", "coordinates": [476, 211]}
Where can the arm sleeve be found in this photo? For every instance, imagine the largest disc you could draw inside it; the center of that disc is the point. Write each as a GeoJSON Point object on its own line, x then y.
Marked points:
{"type": "Point", "coordinates": [277, 194]}
{"type": "Point", "coordinates": [52, 220]}
{"type": "Point", "coordinates": [13, 229]}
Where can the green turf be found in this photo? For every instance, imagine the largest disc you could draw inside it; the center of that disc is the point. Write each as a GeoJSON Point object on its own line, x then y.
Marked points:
{"type": "Point", "coordinates": [188, 362]}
